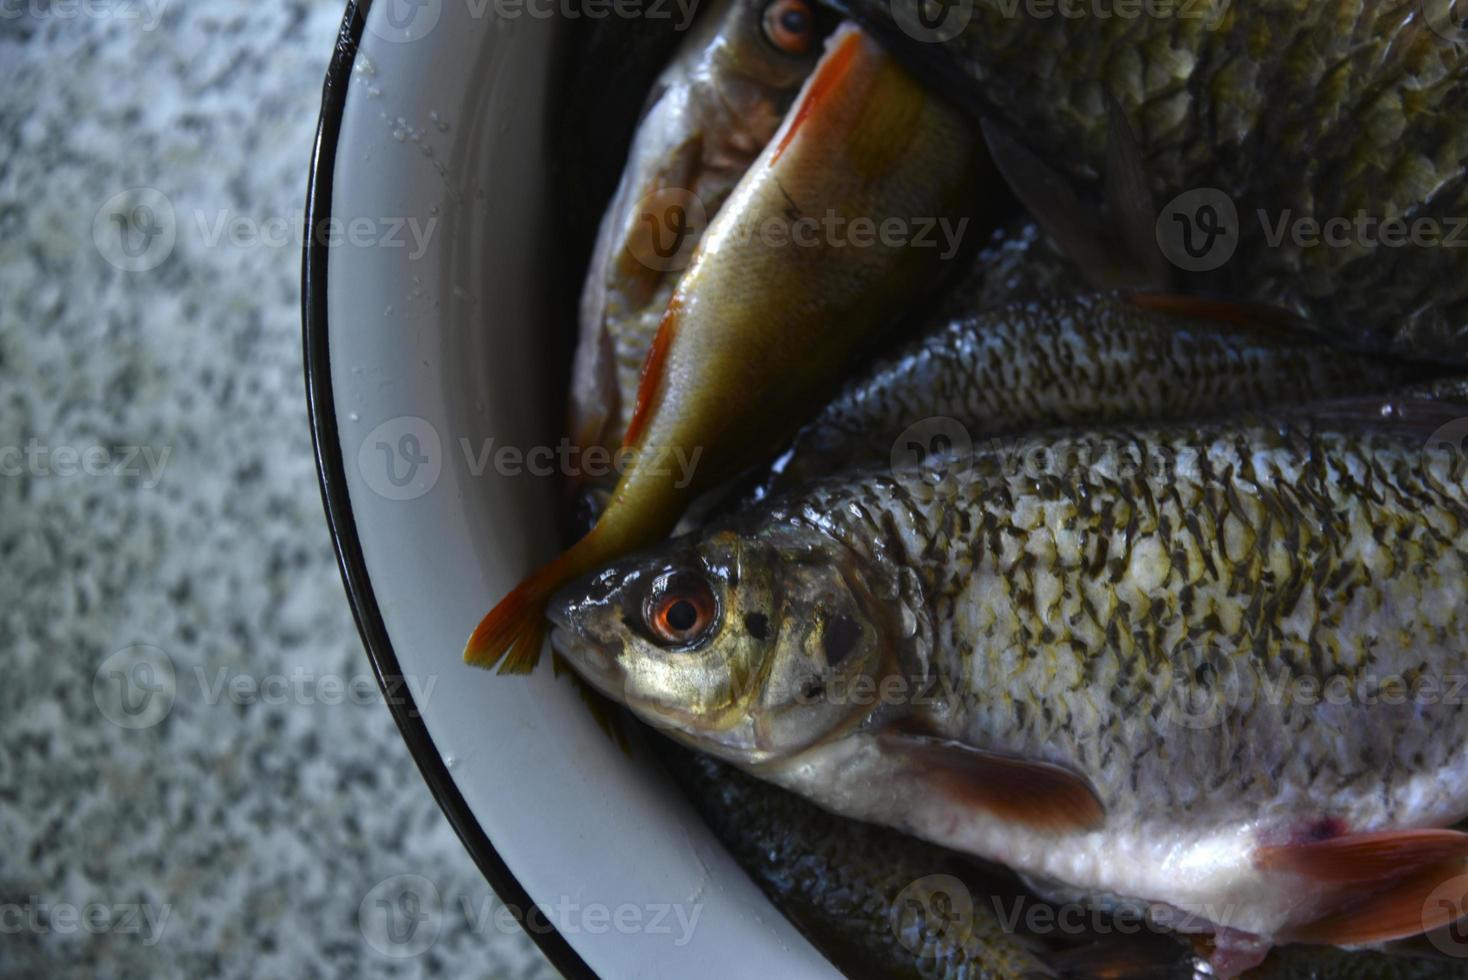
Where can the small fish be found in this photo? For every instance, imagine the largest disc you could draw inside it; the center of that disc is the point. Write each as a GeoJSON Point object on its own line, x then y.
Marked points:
{"type": "Point", "coordinates": [1088, 358]}
{"type": "Point", "coordinates": [1302, 153]}
{"type": "Point", "coordinates": [1098, 657]}
{"type": "Point", "coordinates": [773, 311]}
{"type": "Point", "coordinates": [710, 113]}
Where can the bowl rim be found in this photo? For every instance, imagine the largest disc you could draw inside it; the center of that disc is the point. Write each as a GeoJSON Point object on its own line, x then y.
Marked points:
{"type": "Point", "coordinates": [331, 474]}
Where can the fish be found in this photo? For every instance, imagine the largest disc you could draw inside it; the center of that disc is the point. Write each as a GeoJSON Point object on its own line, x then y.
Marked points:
{"type": "Point", "coordinates": [710, 113]}
{"type": "Point", "coordinates": [1307, 154]}
{"type": "Point", "coordinates": [1069, 359]}
{"type": "Point", "coordinates": [876, 903]}
{"type": "Point", "coordinates": [879, 904]}
{"type": "Point", "coordinates": [1099, 657]}
{"type": "Point", "coordinates": [774, 308]}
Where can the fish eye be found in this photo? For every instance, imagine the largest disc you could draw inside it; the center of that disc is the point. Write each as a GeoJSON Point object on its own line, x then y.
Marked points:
{"type": "Point", "coordinates": [790, 25]}
{"type": "Point", "coordinates": [681, 609]}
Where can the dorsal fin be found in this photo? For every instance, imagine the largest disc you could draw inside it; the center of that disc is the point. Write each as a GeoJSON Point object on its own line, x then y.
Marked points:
{"type": "Point", "coordinates": [1115, 246]}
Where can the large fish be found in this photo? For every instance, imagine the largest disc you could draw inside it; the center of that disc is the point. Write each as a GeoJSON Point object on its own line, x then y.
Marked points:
{"type": "Point", "coordinates": [710, 113]}
{"type": "Point", "coordinates": [1334, 131]}
{"type": "Point", "coordinates": [883, 905]}
{"type": "Point", "coordinates": [860, 198]}
{"type": "Point", "coordinates": [1086, 358]}
{"type": "Point", "coordinates": [1209, 668]}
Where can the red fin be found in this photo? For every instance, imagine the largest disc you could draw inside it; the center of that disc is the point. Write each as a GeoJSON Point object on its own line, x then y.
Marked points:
{"type": "Point", "coordinates": [652, 373]}
{"type": "Point", "coordinates": [1270, 320]}
{"type": "Point", "coordinates": [1406, 907]}
{"type": "Point", "coordinates": [514, 630]}
{"type": "Point", "coordinates": [1356, 858]}
{"type": "Point", "coordinates": [1039, 794]}
{"type": "Point", "coordinates": [829, 74]}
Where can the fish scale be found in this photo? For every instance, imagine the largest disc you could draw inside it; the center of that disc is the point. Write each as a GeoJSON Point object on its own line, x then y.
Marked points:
{"type": "Point", "coordinates": [1302, 108]}
{"type": "Point", "coordinates": [1088, 358]}
{"type": "Point", "coordinates": [1322, 579]}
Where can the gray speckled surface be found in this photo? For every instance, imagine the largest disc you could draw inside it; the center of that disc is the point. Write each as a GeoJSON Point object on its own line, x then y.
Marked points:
{"type": "Point", "coordinates": [197, 829]}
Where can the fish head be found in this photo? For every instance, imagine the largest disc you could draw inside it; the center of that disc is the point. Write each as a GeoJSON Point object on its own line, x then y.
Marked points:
{"type": "Point", "coordinates": [753, 647]}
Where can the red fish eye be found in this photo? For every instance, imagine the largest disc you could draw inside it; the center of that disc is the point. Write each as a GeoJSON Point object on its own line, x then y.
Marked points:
{"type": "Point", "coordinates": [682, 611]}
{"type": "Point", "coordinates": [790, 25]}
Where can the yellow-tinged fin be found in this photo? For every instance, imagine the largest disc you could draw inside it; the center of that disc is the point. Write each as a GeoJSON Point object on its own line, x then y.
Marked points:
{"type": "Point", "coordinates": [1357, 858]}
{"type": "Point", "coordinates": [1037, 794]}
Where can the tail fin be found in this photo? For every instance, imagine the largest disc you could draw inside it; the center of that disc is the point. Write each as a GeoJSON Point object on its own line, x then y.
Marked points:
{"type": "Point", "coordinates": [512, 633]}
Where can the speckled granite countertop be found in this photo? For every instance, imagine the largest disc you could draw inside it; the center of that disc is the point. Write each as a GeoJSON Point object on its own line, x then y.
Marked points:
{"type": "Point", "coordinates": [197, 775]}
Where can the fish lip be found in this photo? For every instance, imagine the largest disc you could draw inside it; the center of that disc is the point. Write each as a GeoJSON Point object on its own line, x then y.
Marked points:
{"type": "Point", "coordinates": [593, 663]}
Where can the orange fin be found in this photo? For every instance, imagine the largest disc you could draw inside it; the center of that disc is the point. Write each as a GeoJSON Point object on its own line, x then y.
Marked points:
{"type": "Point", "coordinates": [1039, 794]}
{"type": "Point", "coordinates": [1424, 900]}
{"type": "Point", "coordinates": [651, 384]}
{"type": "Point", "coordinates": [830, 72]}
{"type": "Point", "coordinates": [512, 633]}
{"type": "Point", "coordinates": [1265, 319]}
{"type": "Point", "coordinates": [1355, 858]}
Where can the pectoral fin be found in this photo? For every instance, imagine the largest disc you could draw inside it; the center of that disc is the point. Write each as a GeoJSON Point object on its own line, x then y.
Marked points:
{"type": "Point", "coordinates": [1038, 794]}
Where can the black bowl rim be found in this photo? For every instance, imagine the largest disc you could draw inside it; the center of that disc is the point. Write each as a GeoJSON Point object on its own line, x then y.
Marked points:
{"type": "Point", "coordinates": [331, 471]}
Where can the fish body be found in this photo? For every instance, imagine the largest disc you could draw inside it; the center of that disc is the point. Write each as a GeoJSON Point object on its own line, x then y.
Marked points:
{"type": "Point", "coordinates": [711, 111]}
{"type": "Point", "coordinates": [1295, 128]}
{"type": "Point", "coordinates": [1100, 658]}
{"type": "Point", "coordinates": [779, 301]}
{"type": "Point", "coordinates": [1081, 359]}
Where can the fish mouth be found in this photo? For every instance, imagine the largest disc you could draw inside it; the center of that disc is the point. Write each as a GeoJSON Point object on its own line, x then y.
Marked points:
{"type": "Point", "coordinates": [593, 661]}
